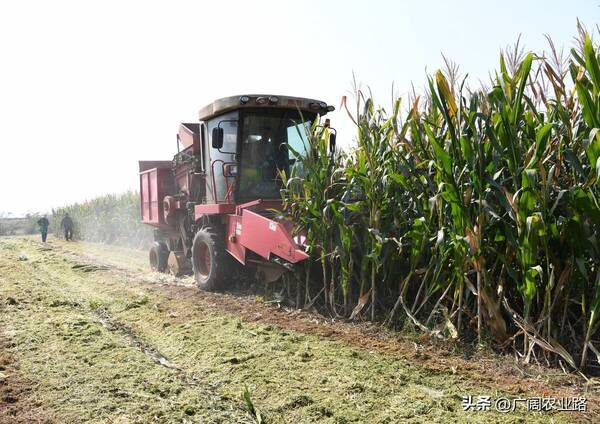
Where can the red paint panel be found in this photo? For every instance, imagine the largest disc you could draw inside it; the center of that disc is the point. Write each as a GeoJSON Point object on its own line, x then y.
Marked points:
{"type": "Point", "coordinates": [145, 165]}
{"type": "Point", "coordinates": [266, 237]}
{"type": "Point", "coordinates": [213, 209]}
{"type": "Point", "coordinates": [154, 186]}
{"type": "Point", "coordinates": [153, 195]}
{"type": "Point", "coordinates": [189, 136]}
{"type": "Point", "coordinates": [144, 204]}
{"type": "Point", "coordinates": [234, 231]}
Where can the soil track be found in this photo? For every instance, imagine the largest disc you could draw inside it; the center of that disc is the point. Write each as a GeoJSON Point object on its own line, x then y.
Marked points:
{"type": "Point", "coordinates": [17, 395]}
{"type": "Point", "coordinates": [177, 354]}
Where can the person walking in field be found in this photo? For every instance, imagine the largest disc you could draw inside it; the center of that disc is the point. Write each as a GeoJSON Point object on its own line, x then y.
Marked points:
{"type": "Point", "coordinates": [43, 223]}
{"type": "Point", "coordinates": [67, 225]}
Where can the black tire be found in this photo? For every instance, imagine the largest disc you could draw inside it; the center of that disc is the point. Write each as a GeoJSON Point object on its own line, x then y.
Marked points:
{"type": "Point", "coordinates": [209, 259]}
{"type": "Point", "coordinates": [158, 256]}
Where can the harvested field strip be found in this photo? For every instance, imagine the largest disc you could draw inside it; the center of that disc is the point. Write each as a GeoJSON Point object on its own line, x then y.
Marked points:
{"type": "Point", "coordinates": [85, 371]}
{"type": "Point", "coordinates": [95, 343]}
{"type": "Point", "coordinates": [18, 401]}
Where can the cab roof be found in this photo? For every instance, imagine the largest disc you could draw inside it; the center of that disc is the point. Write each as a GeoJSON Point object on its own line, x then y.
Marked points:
{"type": "Point", "coordinates": [226, 104]}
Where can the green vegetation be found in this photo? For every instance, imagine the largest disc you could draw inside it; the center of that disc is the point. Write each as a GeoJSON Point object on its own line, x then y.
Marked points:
{"type": "Point", "coordinates": [475, 214]}
{"type": "Point", "coordinates": [106, 345]}
{"type": "Point", "coordinates": [112, 219]}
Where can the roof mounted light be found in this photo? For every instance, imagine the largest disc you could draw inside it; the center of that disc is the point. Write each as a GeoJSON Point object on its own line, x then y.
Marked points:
{"type": "Point", "coordinates": [273, 99]}
{"type": "Point", "coordinates": [323, 105]}
{"type": "Point", "coordinates": [244, 99]}
{"type": "Point", "coordinates": [261, 100]}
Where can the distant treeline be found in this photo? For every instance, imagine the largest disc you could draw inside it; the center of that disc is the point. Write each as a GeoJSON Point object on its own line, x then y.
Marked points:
{"type": "Point", "coordinates": [19, 226]}
{"type": "Point", "coordinates": [112, 219]}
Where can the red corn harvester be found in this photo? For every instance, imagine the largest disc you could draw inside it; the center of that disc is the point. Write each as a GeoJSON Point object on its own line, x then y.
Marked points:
{"type": "Point", "coordinates": [214, 203]}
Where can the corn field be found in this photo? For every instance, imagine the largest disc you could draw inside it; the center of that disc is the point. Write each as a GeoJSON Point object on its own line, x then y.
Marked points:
{"type": "Point", "coordinates": [473, 214]}
{"type": "Point", "coordinates": [112, 219]}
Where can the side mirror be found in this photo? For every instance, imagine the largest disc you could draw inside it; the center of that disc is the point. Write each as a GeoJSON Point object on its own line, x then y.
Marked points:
{"type": "Point", "coordinates": [217, 138]}
{"type": "Point", "coordinates": [332, 138]}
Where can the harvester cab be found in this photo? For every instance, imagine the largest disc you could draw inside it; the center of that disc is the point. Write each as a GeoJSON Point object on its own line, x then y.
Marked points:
{"type": "Point", "coordinates": [211, 206]}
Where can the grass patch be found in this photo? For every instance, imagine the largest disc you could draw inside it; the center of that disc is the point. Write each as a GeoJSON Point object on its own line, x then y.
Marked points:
{"type": "Point", "coordinates": [90, 369]}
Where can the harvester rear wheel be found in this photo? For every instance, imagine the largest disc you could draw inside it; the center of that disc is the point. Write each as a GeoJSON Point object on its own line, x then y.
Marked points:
{"type": "Point", "coordinates": [209, 259]}
{"type": "Point", "coordinates": [159, 254]}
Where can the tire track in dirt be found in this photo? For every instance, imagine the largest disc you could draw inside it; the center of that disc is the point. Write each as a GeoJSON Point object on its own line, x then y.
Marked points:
{"type": "Point", "coordinates": [114, 326]}
{"type": "Point", "coordinates": [434, 356]}
{"type": "Point", "coordinates": [18, 400]}
{"type": "Point", "coordinates": [188, 378]}
{"type": "Point", "coordinates": [87, 262]}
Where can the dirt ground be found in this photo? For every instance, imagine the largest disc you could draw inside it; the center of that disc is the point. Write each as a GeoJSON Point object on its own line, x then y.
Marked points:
{"type": "Point", "coordinates": [88, 334]}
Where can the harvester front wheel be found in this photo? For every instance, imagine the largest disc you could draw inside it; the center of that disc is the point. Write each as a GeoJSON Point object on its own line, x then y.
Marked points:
{"type": "Point", "coordinates": [159, 254]}
{"type": "Point", "coordinates": [208, 259]}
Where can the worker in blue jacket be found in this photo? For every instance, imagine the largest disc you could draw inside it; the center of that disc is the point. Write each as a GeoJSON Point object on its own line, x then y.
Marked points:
{"type": "Point", "coordinates": [43, 223]}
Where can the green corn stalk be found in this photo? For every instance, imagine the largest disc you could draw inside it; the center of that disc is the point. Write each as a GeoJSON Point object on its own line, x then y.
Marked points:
{"type": "Point", "coordinates": [497, 185]}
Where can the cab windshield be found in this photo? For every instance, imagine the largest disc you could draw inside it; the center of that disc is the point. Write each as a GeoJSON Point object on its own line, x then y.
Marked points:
{"type": "Point", "coordinates": [264, 153]}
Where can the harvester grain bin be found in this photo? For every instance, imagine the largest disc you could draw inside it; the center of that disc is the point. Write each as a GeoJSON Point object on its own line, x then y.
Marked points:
{"type": "Point", "coordinates": [213, 203]}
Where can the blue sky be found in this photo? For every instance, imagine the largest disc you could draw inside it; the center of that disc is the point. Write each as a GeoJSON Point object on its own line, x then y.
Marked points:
{"type": "Point", "coordinates": [89, 88]}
